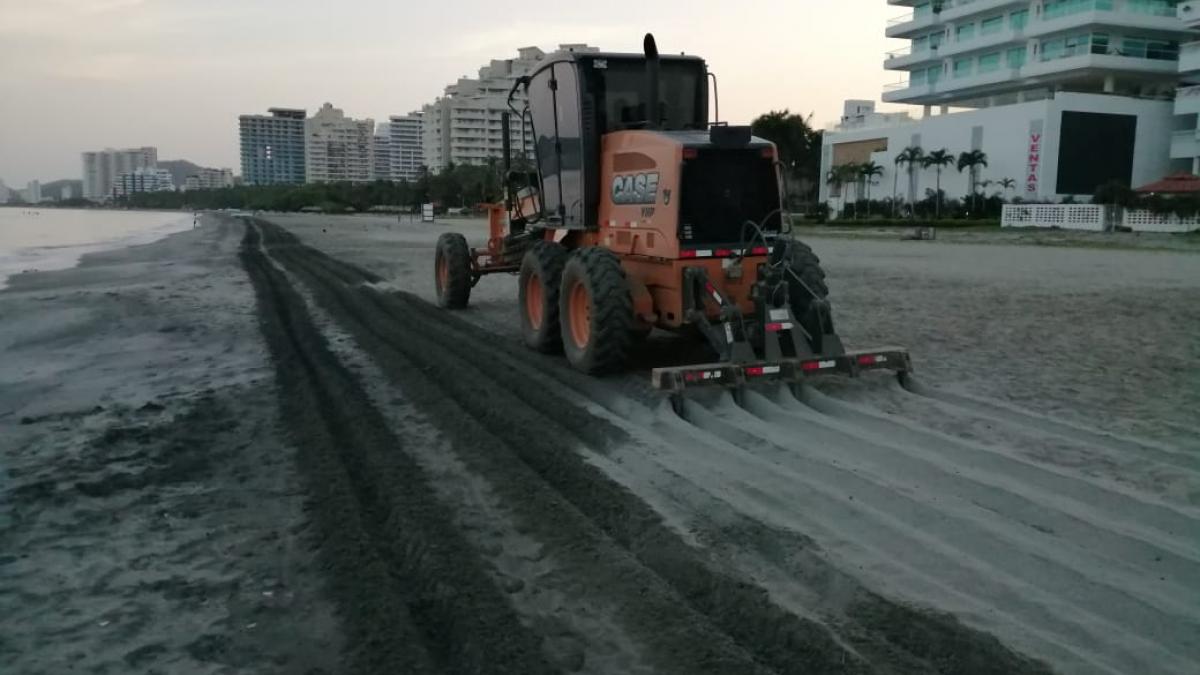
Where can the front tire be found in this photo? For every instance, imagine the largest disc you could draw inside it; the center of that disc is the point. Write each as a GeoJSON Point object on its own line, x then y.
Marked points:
{"type": "Point", "coordinates": [452, 271]}
{"type": "Point", "coordinates": [595, 311]}
{"type": "Point", "coordinates": [539, 285]}
{"type": "Point", "coordinates": [809, 294]}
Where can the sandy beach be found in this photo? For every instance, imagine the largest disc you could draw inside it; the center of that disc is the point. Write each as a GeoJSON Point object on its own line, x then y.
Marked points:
{"type": "Point", "coordinates": [256, 447]}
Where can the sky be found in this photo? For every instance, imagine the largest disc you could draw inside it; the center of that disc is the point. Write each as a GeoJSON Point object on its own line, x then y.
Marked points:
{"type": "Point", "coordinates": [80, 75]}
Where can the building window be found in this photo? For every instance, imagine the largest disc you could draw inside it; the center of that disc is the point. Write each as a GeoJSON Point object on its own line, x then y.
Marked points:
{"type": "Point", "coordinates": [991, 26]}
{"type": "Point", "coordinates": [1016, 57]}
{"type": "Point", "coordinates": [963, 67]}
{"type": "Point", "coordinates": [934, 74]}
{"type": "Point", "coordinates": [1059, 8]}
{"type": "Point", "coordinates": [917, 77]}
{"type": "Point", "coordinates": [964, 32]}
{"type": "Point", "coordinates": [989, 62]}
{"type": "Point", "coordinates": [1018, 19]}
{"type": "Point", "coordinates": [1155, 7]}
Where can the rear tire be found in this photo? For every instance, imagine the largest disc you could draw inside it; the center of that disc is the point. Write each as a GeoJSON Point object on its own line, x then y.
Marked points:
{"type": "Point", "coordinates": [596, 311]}
{"type": "Point", "coordinates": [809, 294]}
{"type": "Point", "coordinates": [452, 271]}
{"type": "Point", "coordinates": [538, 290]}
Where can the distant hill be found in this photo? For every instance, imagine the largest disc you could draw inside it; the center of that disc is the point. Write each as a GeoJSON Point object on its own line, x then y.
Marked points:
{"type": "Point", "coordinates": [180, 169]}
{"type": "Point", "coordinates": [54, 189]}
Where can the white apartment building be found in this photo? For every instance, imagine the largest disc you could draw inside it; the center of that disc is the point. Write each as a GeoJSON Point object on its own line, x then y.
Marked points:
{"type": "Point", "coordinates": [338, 148]}
{"type": "Point", "coordinates": [1043, 81]}
{"type": "Point", "coordinates": [209, 179]}
{"type": "Point", "coordinates": [33, 192]}
{"type": "Point", "coordinates": [1185, 139]}
{"type": "Point", "coordinates": [101, 168]}
{"type": "Point", "coordinates": [463, 126]}
{"type": "Point", "coordinates": [383, 152]}
{"type": "Point", "coordinates": [143, 179]}
{"type": "Point", "coordinates": [408, 155]}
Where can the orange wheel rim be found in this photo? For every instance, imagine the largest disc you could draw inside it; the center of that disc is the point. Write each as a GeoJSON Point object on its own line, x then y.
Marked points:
{"type": "Point", "coordinates": [533, 301]}
{"type": "Point", "coordinates": [443, 274]}
{"type": "Point", "coordinates": [580, 306]}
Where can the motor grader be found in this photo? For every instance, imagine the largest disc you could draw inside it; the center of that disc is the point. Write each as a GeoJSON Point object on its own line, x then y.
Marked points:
{"type": "Point", "coordinates": [639, 213]}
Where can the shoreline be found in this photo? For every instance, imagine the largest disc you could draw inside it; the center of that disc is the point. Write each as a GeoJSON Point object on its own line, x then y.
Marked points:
{"type": "Point", "coordinates": [68, 255]}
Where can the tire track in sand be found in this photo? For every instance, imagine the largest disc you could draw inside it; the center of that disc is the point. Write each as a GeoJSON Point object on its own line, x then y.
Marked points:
{"type": "Point", "coordinates": [413, 597]}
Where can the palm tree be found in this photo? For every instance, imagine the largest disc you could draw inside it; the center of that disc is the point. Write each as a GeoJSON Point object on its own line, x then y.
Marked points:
{"type": "Point", "coordinates": [938, 159]}
{"type": "Point", "coordinates": [911, 156]}
{"type": "Point", "coordinates": [972, 161]}
{"type": "Point", "coordinates": [869, 171]}
{"type": "Point", "coordinates": [1007, 184]}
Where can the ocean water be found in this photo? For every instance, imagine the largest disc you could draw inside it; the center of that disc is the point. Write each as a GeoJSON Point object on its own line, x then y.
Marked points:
{"type": "Point", "coordinates": [50, 239]}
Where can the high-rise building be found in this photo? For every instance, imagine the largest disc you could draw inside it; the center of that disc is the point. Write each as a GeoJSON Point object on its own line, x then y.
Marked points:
{"type": "Point", "coordinates": [1185, 140]}
{"type": "Point", "coordinates": [383, 152]}
{"type": "Point", "coordinates": [101, 168]}
{"type": "Point", "coordinates": [209, 179]}
{"type": "Point", "coordinates": [1043, 81]}
{"type": "Point", "coordinates": [337, 148]}
{"type": "Point", "coordinates": [463, 126]}
{"type": "Point", "coordinates": [273, 147]}
{"type": "Point", "coordinates": [408, 155]}
{"type": "Point", "coordinates": [33, 192]}
{"type": "Point", "coordinates": [143, 180]}
{"type": "Point", "coordinates": [5, 193]}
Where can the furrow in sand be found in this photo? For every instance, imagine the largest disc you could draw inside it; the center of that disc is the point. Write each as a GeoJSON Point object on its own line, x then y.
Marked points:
{"type": "Point", "coordinates": [491, 390]}
{"type": "Point", "coordinates": [1009, 414]}
{"type": "Point", "coordinates": [1062, 512]}
{"type": "Point", "coordinates": [776, 463]}
{"type": "Point", "coordinates": [414, 597]}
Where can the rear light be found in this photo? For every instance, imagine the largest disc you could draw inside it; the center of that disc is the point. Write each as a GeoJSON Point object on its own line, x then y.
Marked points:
{"type": "Point", "coordinates": [809, 366]}
{"type": "Point", "coordinates": [690, 153]}
{"type": "Point", "coordinates": [867, 360]}
{"type": "Point", "coordinates": [759, 250]}
{"type": "Point", "coordinates": [723, 253]}
{"type": "Point", "coordinates": [754, 372]}
{"type": "Point", "coordinates": [768, 152]}
{"type": "Point", "coordinates": [687, 254]}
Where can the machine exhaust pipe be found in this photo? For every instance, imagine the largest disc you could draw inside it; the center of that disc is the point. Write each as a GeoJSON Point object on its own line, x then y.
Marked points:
{"type": "Point", "coordinates": [652, 63]}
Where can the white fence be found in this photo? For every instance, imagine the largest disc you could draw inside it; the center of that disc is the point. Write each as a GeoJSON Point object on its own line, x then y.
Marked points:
{"type": "Point", "coordinates": [1146, 221]}
{"type": "Point", "coordinates": [1065, 216]}
{"type": "Point", "coordinates": [1092, 217]}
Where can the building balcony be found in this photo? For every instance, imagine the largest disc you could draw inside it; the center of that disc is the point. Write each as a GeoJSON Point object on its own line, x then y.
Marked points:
{"type": "Point", "coordinates": [1162, 24]}
{"type": "Point", "coordinates": [909, 25]}
{"type": "Point", "coordinates": [1187, 100]}
{"type": "Point", "coordinates": [1189, 61]}
{"type": "Point", "coordinates": [1189, 13]}
{"type": "Point", "coordinates": [1033, 75]}
{"type": "Point", "coordinates": [953, 11]}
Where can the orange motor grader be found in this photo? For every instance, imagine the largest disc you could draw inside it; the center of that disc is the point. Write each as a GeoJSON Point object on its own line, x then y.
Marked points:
{"type": "Point", "coordinates": [639, 214]}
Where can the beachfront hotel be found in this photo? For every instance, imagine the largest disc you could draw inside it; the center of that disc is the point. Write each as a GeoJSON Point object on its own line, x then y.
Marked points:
{"type": "Point", "coordinates": [272, 147]}
{"type": "Point", "coordinates": [1062, 96]}
{"type": "Point", "coordinates": [408, 155]}
{"type": "Point", "coordinates": [101, 168]}
{"type": "Point", "coordinates": [338, 149]}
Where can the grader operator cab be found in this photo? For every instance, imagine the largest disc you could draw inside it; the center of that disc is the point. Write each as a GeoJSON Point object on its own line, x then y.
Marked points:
{"type": "Point", "coordinates": [641, 214]}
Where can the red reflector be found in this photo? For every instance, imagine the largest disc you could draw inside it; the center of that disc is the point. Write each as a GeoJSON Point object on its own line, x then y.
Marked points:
{"type": "Point", "coordinates": [723, 253]}
{"type": "Point", "coordinates": [756, 371]}
{"type": "Point", "coordinates": [759, 250]}
{"type": "Point", "coordinates": [690, 153]}
{"type": "Point", "coordinates": [810, 366]}
{"type": "Point", "coordinates": [774, 327]}
{"type": "Point", "coordinates": [768, 152]}
{"type": "Point", "coordinates": [709, 287]}
{"type": "Point", "coordinates": [866, 360]}
{"type": "Point", "coordinates": [687, 254]}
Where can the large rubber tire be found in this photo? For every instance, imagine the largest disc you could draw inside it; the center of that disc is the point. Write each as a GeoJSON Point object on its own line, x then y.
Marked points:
{"type": "Point", "coordinates": [809, 294]}
{"type": "Point", "coordinates": [540, 282]}
{"type": "Point", "coordinates": [596, 311]}
{"type": "Point", "coordinates": [452, 271]}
